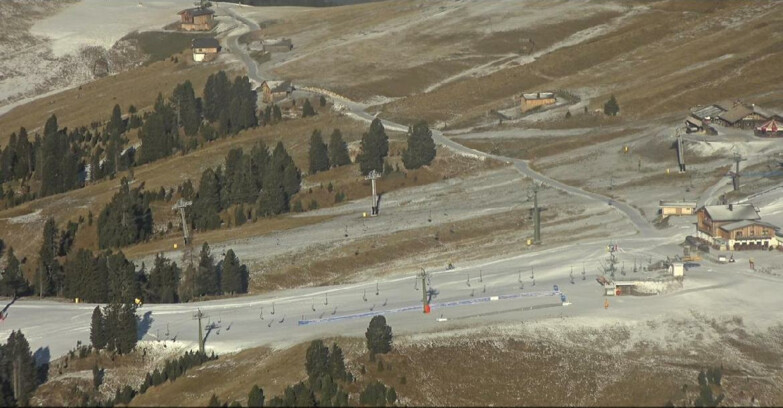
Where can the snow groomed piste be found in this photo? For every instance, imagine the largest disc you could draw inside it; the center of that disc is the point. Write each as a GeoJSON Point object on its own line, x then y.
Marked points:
{"type": "Point", "coordinates": [465, 302]}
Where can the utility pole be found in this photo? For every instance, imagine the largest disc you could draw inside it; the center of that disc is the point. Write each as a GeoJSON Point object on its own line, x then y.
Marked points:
{"type": "Point", "coordinates": [374, 175]}
{"type": "Point", "coordinates": [198, 315]}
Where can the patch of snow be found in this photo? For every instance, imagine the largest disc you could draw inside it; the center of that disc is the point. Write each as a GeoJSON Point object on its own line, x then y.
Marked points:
{"type": "Point", "coordinates": [24, 219]}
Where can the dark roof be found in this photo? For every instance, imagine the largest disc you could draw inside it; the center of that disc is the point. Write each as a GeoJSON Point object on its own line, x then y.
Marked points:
{"type": "Point", "coordinates": [278, 86]}
{"type": "Point", "coordinates": [732, 212]}
{"type": "Point", "coordinates": [736, 113]}
{"type": "Point", "coordinates": [197, 11]}
{"type": "Point", "coordinates": [205, 43]}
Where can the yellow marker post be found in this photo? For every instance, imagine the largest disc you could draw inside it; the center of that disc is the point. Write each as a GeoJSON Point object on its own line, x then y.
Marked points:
{"type": "Point", "coordinates": [175, 246]}
{"type": "Point", "coordinates": [606, 303]}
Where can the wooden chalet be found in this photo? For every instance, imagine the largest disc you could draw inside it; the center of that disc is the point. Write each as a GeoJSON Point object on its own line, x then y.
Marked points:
{"type": "Point", "coordinates": [533, 100]}
{"type": "Point", "coordinates": [197, 19]}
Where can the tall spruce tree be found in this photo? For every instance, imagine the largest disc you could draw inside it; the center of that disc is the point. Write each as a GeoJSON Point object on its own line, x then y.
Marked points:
{"type": "Point", "coordinates": [127, 219]}
{"type": "Point", "coordinates": [98, 329]}
{"type": "Point", "coordinates": [115, 123]}
{"type": "Point", "coordinates": [316, 360]}
{"type": "Point", "coordinates": [127, 329]}
{"type": "Point", "coordinates": [124, 284]}
{"type": "Point", "coordinates": [207, 278]}
{"type": "Point", "coordinates": [255, 398]}
{"type": "Point", "coordinates": [231, 277]}
{"type": "Point", "coordinates": [207, 204]}
{"type": "Point", "coordinates": [338, 150]}
{"type": "Point", "coordinates": [163, 282]}
{"type": "Point", "coordinates": [379, 336]}
{"type": "Point", "coordinates": [421, 147]}
{"type": "Point", "coordinates": [184, 99]}
{"type": "Point", "coordinates": [611, 107]}
{"type": "Point", "coordinates": [19, 364]}
{"type": "Point", "coordinates": [48, 280]}
{"type": "Point", "coordinates": [12, 282]}
{"type": "Point", "coordinates": [375, 147]}
{"type": "Point", "coordinates": [307, 109]}
{"type": "Point", "coordinates": [319, 158]}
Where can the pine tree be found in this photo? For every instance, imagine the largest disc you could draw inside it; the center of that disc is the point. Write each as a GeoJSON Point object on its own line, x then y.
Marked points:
{"type": "Point", "coordinates": [379, 336]}
{"type": "Point", "coordinates": [319, 158]}
{"type": "Point", "coordinates": [611, 107]}
{"type": "Point", "coordinates": [97, 329]}
{"type": "Point", "coordinates": [207, 204]}
{"type": "Point", "coordinates": [213, 401]}
{"type": "Point", "coordinates": [421, 147]}
{"type": "Point", "coordinates": [17, 350]}
{"type": "Point", "coordinates": [322, 101]}
{"type": "Point", "coordinates": [207, 278]}
{"type": "Point", "coordinates": [164, 281]}
{"type": "Point", "coordinates": [316, 360]}
{"type": "Point", "coordinates": [255, 399]}
{"type": "Point", "coordinates": [307, 109]}
{"type": "Point", "coordinates": [115, 123]}
{"type": "Point", "coordinates": [338, 150]}
{"type": "Point", "coordinates": [231, 280]}
{"type": "Point", "coordinates": [49, 279]}
{"type": "Point", "coordinates": [184, 99]}
{"type": "Point", "coordinates": [12, 282]}
{"type": "Point", "coordinates": [337, 363]}
{"type": "Point", "coordinates": [123, 282]}
{"type": "Point", "coordinates": [375, 146]}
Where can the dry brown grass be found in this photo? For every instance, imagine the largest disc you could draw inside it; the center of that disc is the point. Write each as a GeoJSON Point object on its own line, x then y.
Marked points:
{"type": "Point", "coordinates": [538, 147]}
{"type": "Point", "coordinates": [470, 369]}
{"type": "Point", "coordinates": [94, 101]}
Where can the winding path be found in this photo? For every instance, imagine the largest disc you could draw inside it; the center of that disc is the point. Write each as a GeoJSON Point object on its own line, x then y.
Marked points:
{"type": "Point", "coordinates": [358, 111]}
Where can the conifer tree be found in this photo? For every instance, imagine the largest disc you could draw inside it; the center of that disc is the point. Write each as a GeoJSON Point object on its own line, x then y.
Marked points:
{"type": "Point", "coordinates": [12, 282]}
{"type": "Point", "coordinates": [421, 147]}
{"type": "Point", "coordinates": [338, 150]}
{"type": "Point", "coordinates": [164, 281]}
{"type": "Point", "coordinates": [208, 281]}
{"type": "Point", "coordinates": [115, 123]}
{"type": "Point", "coordinates": [255, 399]}
{"type": "Point", "coordinates": [207, 204]}
{"type": "Point", "coordinates": [611, 107]}
{"type": "Point", "coordinates": [375, 147]}
{"type": "Point", "coordinates": [316, 360]}
{"type": "Point", "coordinates": [17, 352]}
{"type": "Point", "coordinates": [213, 401]}
{"type": "Point", "coordinates": [48, 274]}
{"type": "Point", "coordinates": [231, 279]}
{"type": "Point", "coordinates": [97, 329]}
{"type": "Point", "coordinates": [337, 363]}
{"type": "Point", "coordinates": [307, 109]}
{"type": "Point", "coordinates": [184, 99]}
{"type": "Point", "coordinates": [319, 158]}
{"type": "Point", "coordinates": [379, 336]}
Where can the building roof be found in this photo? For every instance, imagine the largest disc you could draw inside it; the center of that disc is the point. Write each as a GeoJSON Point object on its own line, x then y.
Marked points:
{"type": "Point", "coordinates": [742, 224]}
{"type": "Point", "coordinates": [733, 212]}
{"type": "Point", "coordinates": [197, 11]}
{"type": "Point", "coordinates": [736, 113]}
{"type": "Point", "coordinates": [205, 43]}
{"type": "Point", "coordinates": [764, 113]}
{"type": "Point", "coordinates": [683, 204]}
{"type": "Point", "coordinates": [538, 95]}
{"type": "Point", "coordinates": [711, 111]}
{"type": "Point", "coordinates": [278, 86]}
{"type": "Point", "coordinates": [726, 104]}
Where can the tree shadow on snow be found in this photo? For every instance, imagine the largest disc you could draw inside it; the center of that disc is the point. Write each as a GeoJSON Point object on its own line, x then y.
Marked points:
{"type": "Point", "coordinates": [42, 356]}
{"type": "Point", "coordinates": [144, 325]}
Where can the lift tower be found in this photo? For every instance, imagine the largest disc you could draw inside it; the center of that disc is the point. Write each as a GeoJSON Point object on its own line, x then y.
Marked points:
{"type": "Point", "coordinates": [187, 253]}
{"type": "Point", "coordinates": [198, 316]}
{"type": "Point", "coordinates": [536, 214]}
{"type": "Point", "coordinates": [423, 275]}
{"type": "Point", "coordinates": [735, 175]}
{"type": "Point", "coordinates": [374, 175]}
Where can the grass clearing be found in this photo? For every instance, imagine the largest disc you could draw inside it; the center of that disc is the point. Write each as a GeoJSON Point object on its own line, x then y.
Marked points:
{"type": "Point", "coordinates": [160, 45]}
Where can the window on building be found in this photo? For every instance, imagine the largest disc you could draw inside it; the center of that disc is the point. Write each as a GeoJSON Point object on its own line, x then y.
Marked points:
{"type": "Point", "coordinates": [739, 234]}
